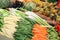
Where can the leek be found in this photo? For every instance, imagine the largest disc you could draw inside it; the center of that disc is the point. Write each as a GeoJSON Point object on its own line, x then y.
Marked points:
{"type": "Point", "coordinates": [38, 19]}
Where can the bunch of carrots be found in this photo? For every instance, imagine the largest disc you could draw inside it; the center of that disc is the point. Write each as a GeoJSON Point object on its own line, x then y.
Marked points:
{"type": "Point", "coordinates": [39, 32]}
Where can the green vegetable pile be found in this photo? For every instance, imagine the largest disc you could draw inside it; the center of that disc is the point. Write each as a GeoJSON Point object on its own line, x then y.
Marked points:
{"type": "Point", "coordinates": [52, 34]}
{"type": "Point", "coordinates": [24, 30]}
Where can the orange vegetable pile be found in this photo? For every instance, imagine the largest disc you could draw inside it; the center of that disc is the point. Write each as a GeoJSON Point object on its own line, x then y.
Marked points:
{"type": "Point", "coordinates": [39, 33]}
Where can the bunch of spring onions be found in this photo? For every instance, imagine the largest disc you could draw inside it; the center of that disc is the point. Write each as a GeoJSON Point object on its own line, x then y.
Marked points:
{"type": "Point", "coordinates": [36, 18]}
{"type": "Point", "coordinates": [32, 16]}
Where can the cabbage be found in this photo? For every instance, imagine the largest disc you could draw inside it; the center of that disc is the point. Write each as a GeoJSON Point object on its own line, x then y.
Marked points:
{"type": "Point", "coordinates": [30, 5]}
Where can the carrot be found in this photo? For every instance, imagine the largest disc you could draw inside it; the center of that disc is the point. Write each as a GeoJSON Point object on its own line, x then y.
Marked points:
{"type": "Point", "coordinates": [38, 29]}
{"type": "Point", "coordinates": [39, 32]}
{"type": "Point", "coordinates": [38, 37]}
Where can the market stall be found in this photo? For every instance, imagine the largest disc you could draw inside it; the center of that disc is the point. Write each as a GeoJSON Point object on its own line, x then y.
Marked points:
{"type": "Point", "coordinates": [30, 20]}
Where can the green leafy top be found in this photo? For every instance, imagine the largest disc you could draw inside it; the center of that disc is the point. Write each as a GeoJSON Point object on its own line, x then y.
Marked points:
{"type": "Point", "coordinates": [24, 30]}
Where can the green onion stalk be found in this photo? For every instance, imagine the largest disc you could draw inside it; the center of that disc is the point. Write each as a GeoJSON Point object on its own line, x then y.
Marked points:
{"type": "Point", "coordinates": [38, 19]}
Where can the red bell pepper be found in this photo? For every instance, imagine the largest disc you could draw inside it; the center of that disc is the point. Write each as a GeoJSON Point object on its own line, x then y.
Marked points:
{"type": "Point", "coordinates": [58, 4]}
{"type": "Point", "coordinates": [57, 27]}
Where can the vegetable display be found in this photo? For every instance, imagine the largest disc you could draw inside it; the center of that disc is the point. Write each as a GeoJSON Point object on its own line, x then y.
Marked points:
{"type": "Point", "coordinates": [30, 22]}
{"type": "Point", "coordinates": [26, 26]}
{"type": "Point", "coordinates": [30, 19]}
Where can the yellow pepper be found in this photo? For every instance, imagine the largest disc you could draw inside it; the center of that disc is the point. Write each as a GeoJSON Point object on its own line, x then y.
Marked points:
{"type": "Point", "coordinates": [36, 1]}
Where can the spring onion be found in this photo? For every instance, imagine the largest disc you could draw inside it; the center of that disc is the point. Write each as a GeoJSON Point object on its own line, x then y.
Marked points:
{"type": "Point", "coordinates": [38, 19]}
